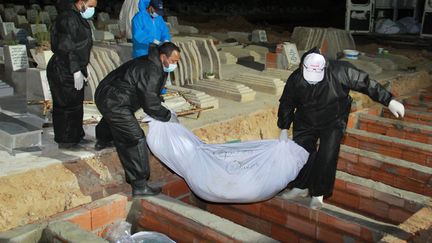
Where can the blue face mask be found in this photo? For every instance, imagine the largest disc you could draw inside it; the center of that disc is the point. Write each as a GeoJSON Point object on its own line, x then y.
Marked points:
{"type": "Point", "coordinates": [154, 14]}
{"type": "Point", "coordinates": [88, 13]}
{"type": "Point", "coordinates": [169, 69]}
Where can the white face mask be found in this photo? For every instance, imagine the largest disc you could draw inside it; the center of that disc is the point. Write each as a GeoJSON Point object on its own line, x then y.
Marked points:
{"type": "Point", "coordinates": [170, 68]}
{"type": "Point", "coordinates": [88, 13]}
{"type": "Point", "coordinates": [154, 14]}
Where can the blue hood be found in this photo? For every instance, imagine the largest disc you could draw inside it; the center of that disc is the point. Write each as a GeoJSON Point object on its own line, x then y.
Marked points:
{"type": "Point", "coordinates": [143, 5]}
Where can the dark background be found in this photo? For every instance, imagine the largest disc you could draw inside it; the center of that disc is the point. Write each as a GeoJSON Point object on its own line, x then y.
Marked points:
{"type": "Point", "coordinates": [262, 13]}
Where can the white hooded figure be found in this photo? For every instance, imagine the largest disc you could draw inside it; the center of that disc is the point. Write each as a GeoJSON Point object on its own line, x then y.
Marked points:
{"type": "Point", "coordinates": [128, 10]}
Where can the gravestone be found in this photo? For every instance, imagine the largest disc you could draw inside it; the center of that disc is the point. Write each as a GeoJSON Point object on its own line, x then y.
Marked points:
{"type": "Point", "coordinates": [20, 20]}
{"type": "Point", "coordinates": [32, 16]}
{"type": "Point", "coordinates": [15, 59]}
{"type": "Point", "coordinates": [114, 29]}
{"type": "Point", "coordinates": [103, 17]}
{"type": "Point", "coordinates": [259, 36]}
{"type": "Point", "coordinates": [17, 135]}
{"type": "Point", "coordinates": [38, 28]}
{"type": "Point", "coordinates": [19, 9]}
{"type": "Point", "coordinates": [36, 7]}
{"type": "Point", "coordinates": [9, 14]}
{"type": "Point", "coordinates": [52, 11]}
{"type": "Point", "coordinates": [37, 90]}
{"type": "Point", "coordinates": [291, 53]}
{"type": "Point", "coordinates": [7, 30]}
{"type": "Point", "coordinates": [44, 18]}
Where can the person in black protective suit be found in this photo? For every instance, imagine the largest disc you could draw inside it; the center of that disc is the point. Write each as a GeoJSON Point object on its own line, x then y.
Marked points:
{"type": "Point", "coordinates": [316, 100]}
{"type": "Point", "coordinates": [136, 84]}
{"type": "Point", "coordinates": [71, 42]}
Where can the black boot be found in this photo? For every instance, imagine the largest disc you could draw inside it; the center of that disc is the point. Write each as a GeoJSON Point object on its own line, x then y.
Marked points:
{"type": "Point", "coordinates": [140, 188]}
{"type": "Point", "coordinates": [101, 145]}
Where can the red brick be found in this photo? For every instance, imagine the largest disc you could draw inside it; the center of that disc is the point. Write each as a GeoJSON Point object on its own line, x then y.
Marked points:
{"type": "Point", "coordinates": [283, 234]}
{"type": "Point", "coordinates": [340, 184]}
{"type": "Point", "coordinates": [79, 216]}
{"type": "Point", "coordinates": [301, 225]}
{"type": "Point", "coordinates": [332, 222]}
{"type": "Point", "coordinates": [104, 214]}
{"type": "Point", "coordinates": [383, 177]}
{"type": "Point", "coordinates": [176, 188]}
{"type": "Point", "coordinates": [418, 157]}
{"type": "Point", "coordinates": [359, 190]}
{"type": "Point", "coordinates": [179, 234]}
{"type": "Point", "coordinates": [326, 235]}
{"type": "Point", "coordinates": [370, 162]}
{"type": "Point", "coordinates": [344, 198]}
{"type": "Point", "coordinates": [358, 170]}
{"type": "Point", "coordinates": [228, 213]}
{"type": "Point", "coordinates": [273, 214]}
{"type": "Point", "coordinates": [258, 225]}
{"type": "Point", "coordinates": [389, 199]}
{"type": "Point", "coordinates": [398, 215]}
{"type": "Point", "coordinates": [253, 208]}
{"type": "Point", "coordinates": [351, 157]}
{"type": "Point", "coordinates": [374, 207]}
{"type": "Point", "coordinates": [153, 222]}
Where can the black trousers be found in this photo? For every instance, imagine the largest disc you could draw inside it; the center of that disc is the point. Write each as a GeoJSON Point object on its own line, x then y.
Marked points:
{"type": "Point", "coordinates": [130, 142]}
{"type": "Point", "coordinates": [318, 174]}
{"type": "Point", "coordinates": [68, 109]}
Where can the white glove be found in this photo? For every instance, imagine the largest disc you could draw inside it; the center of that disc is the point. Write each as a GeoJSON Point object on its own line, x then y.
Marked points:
{"type": "Point", "coordinates": [78, 80]}
{"type": "Point", "coordinates": [156, 42]}
{"type": "Point", "coordinates": [396, 108]}
{"type": "Point", "coordinates": [283, 137]}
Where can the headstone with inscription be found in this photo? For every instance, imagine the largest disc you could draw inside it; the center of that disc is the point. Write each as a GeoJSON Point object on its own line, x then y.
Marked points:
{"type": "Point", "coordinates": [15, 58]}
{"type": "Point", "coordinates": [291, 53]}
{"type": "Point", "coordinates": [7, 30]}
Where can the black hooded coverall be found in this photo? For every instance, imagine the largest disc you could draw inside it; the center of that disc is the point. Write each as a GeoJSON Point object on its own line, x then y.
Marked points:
{"type": "Point", "coordinates": [136, 84]}
{"type": "Point", "coordinates": [71, 42]}
{"type": "Point", "coordinates": [321, 112]}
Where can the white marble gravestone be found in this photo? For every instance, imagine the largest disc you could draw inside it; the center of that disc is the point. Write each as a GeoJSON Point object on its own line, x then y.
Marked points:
{"type": "Point", "coordinates": [7, 30]}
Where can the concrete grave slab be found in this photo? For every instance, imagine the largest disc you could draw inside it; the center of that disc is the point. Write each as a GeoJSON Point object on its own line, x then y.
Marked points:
{"type": "Point", "coordinates": [225, 89]}
{"type": "Point", "coordinates": [15, 134]}
{"type": "Point", "coordinates": [260, 83]}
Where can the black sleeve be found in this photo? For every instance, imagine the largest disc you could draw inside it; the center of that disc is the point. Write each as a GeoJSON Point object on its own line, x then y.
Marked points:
{"type": "Point", "coordinates": [148, 90]}
{"type": "Point", "coordinates": [359, 80]}
{"type": "Point", "coordinates": [286, 105]}
{"type": "Point", "coordinates": [64, 36]}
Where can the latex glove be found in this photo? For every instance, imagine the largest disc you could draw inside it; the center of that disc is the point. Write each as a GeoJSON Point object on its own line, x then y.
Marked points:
{"type": "Point", "coordinates": [283, 137]}
{"type": "Point", "coordinates": [156, 42]}
{"type": "Point", "coordinates": [78, 80]}
{"type": "Point", "coordinates": [173, 117]}
{"type": "Point", "coordinates": [396, 108]}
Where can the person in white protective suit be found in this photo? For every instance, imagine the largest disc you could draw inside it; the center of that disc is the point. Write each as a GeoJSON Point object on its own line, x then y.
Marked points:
{"type": "Point", "coordinates": [127, 12]}
{"type": "Point", "coordinates": [316, 100]}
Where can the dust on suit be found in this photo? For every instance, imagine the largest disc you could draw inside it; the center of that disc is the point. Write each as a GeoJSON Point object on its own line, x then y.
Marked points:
{"type": "Point", "coordinates": [320, 112]}
{"type": "Point", "coordinates": [136, 84]}
{"type": "Point", "coordinates": [71, 42]}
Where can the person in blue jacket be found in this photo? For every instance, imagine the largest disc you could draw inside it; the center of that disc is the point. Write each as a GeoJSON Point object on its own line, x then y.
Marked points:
{"type": "Point", "coordinates": [148, 27]}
